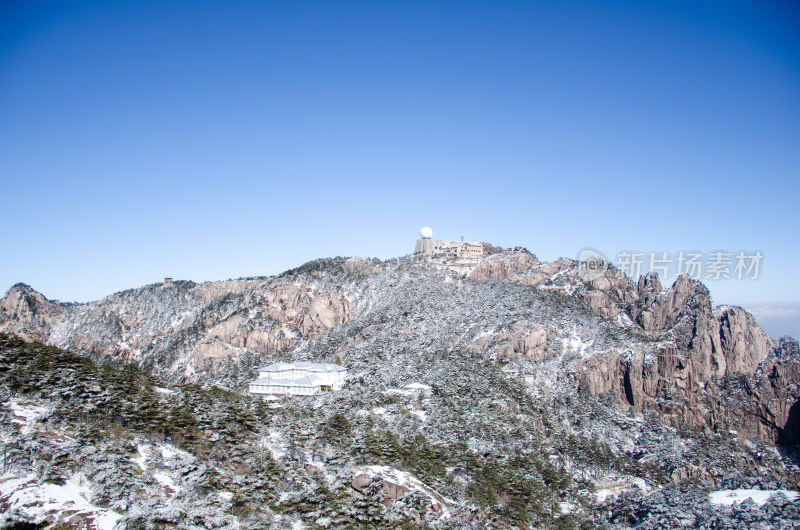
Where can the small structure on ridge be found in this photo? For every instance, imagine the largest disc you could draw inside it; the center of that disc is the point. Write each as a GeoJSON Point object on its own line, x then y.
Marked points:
{"type": "Point", "coordinates": [449, 249]}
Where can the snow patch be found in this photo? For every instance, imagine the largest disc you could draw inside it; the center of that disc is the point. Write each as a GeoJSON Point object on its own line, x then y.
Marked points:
{"type": "Point", "coordinates": [27, 413]}
{"type": "Point", "coordinates": [170, 457]}
{"type": "Point", "coordinates": [615, 488]}
{"type": "Point", "coordinates": [140, 460]}
{"type": "Point", "coordinates": [411, 390]}
{"type": "Point", "coordinates": [226, 496]}
{"type": "Point", "coordinates": [36, 501]}
{"type": "Point", "coordinates": [166, 481]}
{"type": "Point", "coordinates": [730, 497]}
{"type": "Point", "coordinates": [170, 453]}
{"type": "Point", "coordinates": [575, 343]}
{"type": "Point", "coordinates": [421, 414]}
{"type": "Point", "coordinates": [274, 443]}
{"type": "Point", "coordinates": [412, 483]}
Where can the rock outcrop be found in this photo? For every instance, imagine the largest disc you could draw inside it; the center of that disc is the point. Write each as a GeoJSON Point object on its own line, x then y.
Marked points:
{"type": "Point", "coordinates": [499, 267]}
{"type": "Point", "coordinates": [697, 353]}
{"type": "Point", "coordinates": [654, 349]}
{"type": "Point", "coordinates": [360, 266]}
{"type": "Point", "coordinates": [28, 314]}
{"type": "Point", "coordinates": [388, 485]}
{"type": "Point", "coordinates": [522, 341]}
{"type": "Point", "coordinates": [186, 328]}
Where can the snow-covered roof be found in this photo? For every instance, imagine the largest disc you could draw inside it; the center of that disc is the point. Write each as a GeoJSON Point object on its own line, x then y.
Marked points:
{"type": "Point", "coordinates": [456, 244]}
{"type": "Point", "coordinates": [303, 365]}
{"type": "Point", "coordinates": [307, 381]}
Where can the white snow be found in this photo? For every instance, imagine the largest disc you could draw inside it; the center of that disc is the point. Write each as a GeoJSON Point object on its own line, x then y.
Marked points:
{"type": "Point", "coordinates": [575, 343]}
{"type": "Point", "coordinates": [170, 456]}
{"type": "Point", "coordinates": [410, 390]}
{"type": "Point", "coordinates": [165, 480]}
{"type": "Point", "coordinates": [615, 488]}
{"type": "Point", "coordinates": [421, 414]}
{"type": "Point", "coordinates": [141, 449]}
{"type": "Point", "coordinates": [418, 387]}
{"type": "Point", "coordinates": [274, 443]}
{"type": "Point", "coordinates": [604, 493]}
{"type": "Point", "coordinates": [36, 501]}
{"type": "Point", "coordinates": [411, 482]}
{"type": "Point", "coordinates": [226, 496]}
{"type": "Point", "coordinates": [729, 497]}
{"type": "Point", "coordinates": [166, 391]}
{"type": "Point", "coordinates": [27, 412]}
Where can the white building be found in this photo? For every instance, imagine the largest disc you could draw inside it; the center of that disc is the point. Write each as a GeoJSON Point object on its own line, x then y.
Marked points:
{"type": "Point", "coordinates": [449, 249]}
{"type": "Point", "coordinates": [298, 379]}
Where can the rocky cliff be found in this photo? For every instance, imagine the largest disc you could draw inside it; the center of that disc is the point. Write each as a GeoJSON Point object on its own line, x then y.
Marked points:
{"type": "Point", "coordinates": [28, 314]}
{"type": "Point", "coordinates": [182, 329]}
{"type": "Point", "coordinates": [654, 349]}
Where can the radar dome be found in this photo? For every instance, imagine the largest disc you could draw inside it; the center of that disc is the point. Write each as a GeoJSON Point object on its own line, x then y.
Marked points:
{"type": "Point", "coordinates": [426, 232]}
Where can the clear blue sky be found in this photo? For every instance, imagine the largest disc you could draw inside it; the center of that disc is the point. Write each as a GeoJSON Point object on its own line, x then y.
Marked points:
{"type": "Point", "coordinates": [210, 140]}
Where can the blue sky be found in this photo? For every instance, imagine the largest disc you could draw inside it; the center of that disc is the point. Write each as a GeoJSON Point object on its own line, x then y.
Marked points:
{"type": "Point", "coordinates": [214, 140]}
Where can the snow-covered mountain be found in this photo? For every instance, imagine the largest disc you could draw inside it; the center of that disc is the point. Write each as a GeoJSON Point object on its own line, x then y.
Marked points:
{"type": "Point", "coordinates": [552, 399]}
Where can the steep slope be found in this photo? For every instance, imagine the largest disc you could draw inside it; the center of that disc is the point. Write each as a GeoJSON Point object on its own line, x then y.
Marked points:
{"type": "Point", "coordinates": [89, 445]}
{"type": "Point", "coordinates": [28, 314]}
{"type": "Point", "coordinates": [656, 349]}
{"type": "Point", "coordinates": [508, 392]}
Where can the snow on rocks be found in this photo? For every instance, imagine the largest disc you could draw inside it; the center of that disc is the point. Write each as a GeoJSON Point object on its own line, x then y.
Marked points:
{"type": "Point", "coordinates": [418, 388]}
{"type": "Point", "coordinates": [275, 443]}
{"type": "Point", "coordinates": [166, 481]}
{"type": "Point", "coordinates": [421, 414]}
{"type": "Point", "coordinates": [604, 491]}
{"type": "Point", "coordinates": [27, 414]}
{"type": "Point", "coordinates": [760, 497]}
{"type": "Point", "coordinates": [575, 343]}
{"type": "Point", "coordinates": [170, 453]}
{"type": "Point", "coordinates": [388, 485]}
{"type": "Point", "coordinates": [67, 503]}
{"type": "Point", "coordinates": [411, 390]}
{"type": "Point", "coordinates": [162, 459]}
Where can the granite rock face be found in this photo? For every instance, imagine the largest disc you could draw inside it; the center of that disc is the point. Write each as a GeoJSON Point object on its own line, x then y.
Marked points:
{"type": "Point", "coordinates": [521, 341]}
{"type": "Point", "coordinates": [656, 349]}
{"type": "Point", "coordinates": [499, 267]}
{"type": "Point", "coordinates": [360, 266]}
{"type": "Point", "coordinates": [183, 328]}
{"type": "Point", "coordinates": [695, 353]}
{"type": "Point", "coordinates": [28, 314]}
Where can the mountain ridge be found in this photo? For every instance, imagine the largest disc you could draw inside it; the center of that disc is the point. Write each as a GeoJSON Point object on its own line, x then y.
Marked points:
{"type": "Point", "coordinates": [676, 341]}
{"type": "Point", "coordinates": [552, 399]}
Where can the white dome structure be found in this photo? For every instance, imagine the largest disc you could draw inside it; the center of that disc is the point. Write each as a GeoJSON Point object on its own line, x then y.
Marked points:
{"type": "Point", "coordinates": [426, 232]}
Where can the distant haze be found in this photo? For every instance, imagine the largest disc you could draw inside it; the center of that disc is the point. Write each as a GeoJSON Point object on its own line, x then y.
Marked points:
{"type": "Point", "coordinates": [778, 319]}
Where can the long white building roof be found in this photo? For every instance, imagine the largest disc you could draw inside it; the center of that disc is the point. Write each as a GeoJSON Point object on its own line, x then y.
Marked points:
{"type": "Point", "coordinates": [307, 381]}
{"type": "Point", "coordinates": [304, 366]}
